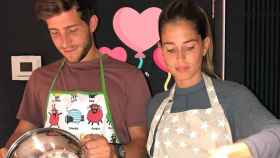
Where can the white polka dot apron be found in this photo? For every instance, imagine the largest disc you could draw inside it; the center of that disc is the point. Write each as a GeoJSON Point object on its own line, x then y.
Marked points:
{"type": "Point", "coordinates": [193, 133]}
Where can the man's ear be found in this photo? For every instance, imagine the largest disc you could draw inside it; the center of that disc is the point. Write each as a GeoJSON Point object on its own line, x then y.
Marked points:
{"type": "Point", "coordinates": [93, 22]}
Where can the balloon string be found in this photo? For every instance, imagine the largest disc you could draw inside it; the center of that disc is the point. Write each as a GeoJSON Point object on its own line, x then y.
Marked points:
{"type": "Point", "coordinates": [140, 64]}
{"type": "Point", "coordinates": [167, 82]}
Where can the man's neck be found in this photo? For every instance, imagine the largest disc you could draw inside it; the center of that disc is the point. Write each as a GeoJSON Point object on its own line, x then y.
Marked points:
{"type": "Point", "coordinates": [92, 55]}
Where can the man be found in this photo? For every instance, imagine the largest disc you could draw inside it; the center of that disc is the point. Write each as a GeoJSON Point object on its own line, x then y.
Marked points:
{"type": "Point", "coordinates": [116, 93]}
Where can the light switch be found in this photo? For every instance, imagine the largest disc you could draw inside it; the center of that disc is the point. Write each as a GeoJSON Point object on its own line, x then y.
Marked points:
{"type": "Point", "coordinates": [22, 66]}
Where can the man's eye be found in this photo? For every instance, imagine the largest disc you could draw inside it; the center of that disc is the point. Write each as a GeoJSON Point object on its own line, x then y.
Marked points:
{"type": "Point", "coordinates": [190, 48]}
{"type": "Point", "coordinates": [73, 30]}
{"type": "Point", "coordinates": [53, 33]}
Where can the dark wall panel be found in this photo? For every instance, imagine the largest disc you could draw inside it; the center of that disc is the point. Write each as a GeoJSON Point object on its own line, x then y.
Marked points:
{"type": "Point", "coordinates": [262, 51]}
{"type": "Point", "coordinates": [252, 48]}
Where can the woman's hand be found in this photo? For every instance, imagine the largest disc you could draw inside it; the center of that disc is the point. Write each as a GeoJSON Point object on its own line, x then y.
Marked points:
{"type": "Point", "coordinates": [237, 150]}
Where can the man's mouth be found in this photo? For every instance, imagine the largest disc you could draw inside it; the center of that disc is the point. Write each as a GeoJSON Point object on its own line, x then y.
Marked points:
{"type": "Point", "coordinates": [69, 50]}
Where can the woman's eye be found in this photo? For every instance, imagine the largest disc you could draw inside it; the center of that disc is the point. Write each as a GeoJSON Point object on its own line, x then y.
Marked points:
{"type": "Point", "coordinates": [170, 50]}
{"type": "Point", "coordinates": [188, 47]}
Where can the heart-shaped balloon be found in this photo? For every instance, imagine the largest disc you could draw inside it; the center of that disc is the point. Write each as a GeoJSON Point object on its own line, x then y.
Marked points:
{"type": "Point", "coordinates": [138, 31]}
{"type": "Point", "coordinates": [117, 53]}
{"type": "Point", "coordinates": [158, 59]}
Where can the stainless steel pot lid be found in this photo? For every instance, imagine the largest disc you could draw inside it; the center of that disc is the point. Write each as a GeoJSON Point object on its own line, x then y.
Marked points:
{"type": "Point", "coordinates": [46, 143]}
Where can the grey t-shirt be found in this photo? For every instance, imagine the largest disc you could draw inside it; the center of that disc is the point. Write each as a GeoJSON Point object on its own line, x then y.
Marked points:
{"type": "Point", "coordinates": [248, 118]}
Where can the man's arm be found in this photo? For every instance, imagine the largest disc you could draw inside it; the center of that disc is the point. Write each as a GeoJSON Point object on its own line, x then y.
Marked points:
{"type": "Point", "coordinates": [137, 147]}
{"type": "Point", "coordinates": [22, 127]}
{"type": "Point", "coordinates": [138, 95]}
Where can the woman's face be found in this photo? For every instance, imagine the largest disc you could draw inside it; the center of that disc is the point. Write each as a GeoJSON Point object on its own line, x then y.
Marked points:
{"type": "Point", "coordinates": [183, 50]}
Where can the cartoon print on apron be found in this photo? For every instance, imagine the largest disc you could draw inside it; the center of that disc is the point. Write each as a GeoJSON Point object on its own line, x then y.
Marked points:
{"type": "Point", "coordinates": [193, 133]}
{"type": "Point", "coordinates": [81, 112]}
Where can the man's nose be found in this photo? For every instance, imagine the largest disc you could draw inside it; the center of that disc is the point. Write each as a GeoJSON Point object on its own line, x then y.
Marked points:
{"type": "Point", "coordinates": [66, 40]}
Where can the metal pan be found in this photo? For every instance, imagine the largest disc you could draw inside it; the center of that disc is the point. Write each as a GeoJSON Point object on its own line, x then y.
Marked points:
{"type": "Point", "coordinates": [46, 143]}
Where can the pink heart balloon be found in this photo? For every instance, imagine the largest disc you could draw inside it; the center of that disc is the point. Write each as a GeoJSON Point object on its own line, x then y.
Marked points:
{"type": "Point", "coordinates": [117, 53]}
{"type": "Point", "coordinates": [158, 59]}
{"type": "Point", "coordinates": [138, 31]}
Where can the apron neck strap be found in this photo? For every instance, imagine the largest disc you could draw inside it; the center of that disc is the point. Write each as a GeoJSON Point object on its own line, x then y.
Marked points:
{"type": "Point", "coordinates": [103, 86]}
{"type": "Point", "coordinates": [214, 101]}
{"type": "Point", "coordinates": [52, 85]}
{"type": "Point", "coordinates": [172, 91]}
{"type": "Point", "coordinates": [102, 76]}
{"type": "Point", "coordinates": [209, 87]}
{"type": "Point", "coordinates": [102, 80]}
{"type": "Point", "coordinates": [56, 75]}
{"type": "Point", "coordinates": [104, 90]}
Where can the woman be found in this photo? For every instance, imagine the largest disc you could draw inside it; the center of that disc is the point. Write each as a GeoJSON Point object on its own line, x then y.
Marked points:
{"type": "Point", "coordinates": [201, 116]}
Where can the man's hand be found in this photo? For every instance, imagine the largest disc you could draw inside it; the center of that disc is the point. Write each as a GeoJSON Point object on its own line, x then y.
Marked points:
{"type": "Point", "coordinates": [3, 152]}
{"type": "Point", "coordinates": [97, 146]}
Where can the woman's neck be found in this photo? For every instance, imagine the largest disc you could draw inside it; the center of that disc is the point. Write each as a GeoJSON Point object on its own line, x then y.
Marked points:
{"type": "Point", "coordinates": [186, 83]}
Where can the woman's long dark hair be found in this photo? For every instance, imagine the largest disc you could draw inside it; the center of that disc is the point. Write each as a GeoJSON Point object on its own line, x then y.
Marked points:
{"type": "Point", "coordinates": [188, 10]}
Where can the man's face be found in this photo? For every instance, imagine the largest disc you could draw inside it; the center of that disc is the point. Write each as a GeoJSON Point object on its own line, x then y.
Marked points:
{"type": "Point", "coordinates": [70, 35]}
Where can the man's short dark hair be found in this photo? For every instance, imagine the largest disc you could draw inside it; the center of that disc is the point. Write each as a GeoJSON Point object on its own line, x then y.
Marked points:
{"type": "Point", "coordinates": [45, 9]}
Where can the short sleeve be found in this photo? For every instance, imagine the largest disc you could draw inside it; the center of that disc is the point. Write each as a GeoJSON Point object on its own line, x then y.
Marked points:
{"type": "Point", "coordinates": [138, 95]}
{"type": "Point", "coordinates": [29, 109]}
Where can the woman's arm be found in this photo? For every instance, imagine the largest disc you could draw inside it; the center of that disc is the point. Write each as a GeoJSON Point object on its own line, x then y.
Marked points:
{"type": "Point", "coordinates": [254, 125]}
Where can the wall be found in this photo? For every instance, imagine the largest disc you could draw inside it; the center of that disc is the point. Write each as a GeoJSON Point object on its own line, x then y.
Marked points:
{"type": "Point", "coordinates": [252, 48]}
{"type": "Point", "coordinates": [22, 35]}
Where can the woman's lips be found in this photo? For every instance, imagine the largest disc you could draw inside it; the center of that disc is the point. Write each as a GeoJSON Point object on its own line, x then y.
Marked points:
{"type": "Point", "coordinates": [182, 68]}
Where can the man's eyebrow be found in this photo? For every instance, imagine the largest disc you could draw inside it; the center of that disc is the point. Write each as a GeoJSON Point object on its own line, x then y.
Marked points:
{"type": "Point", "coordinates": [66, 27]}
{"type": "Point", "coordinates": [70, 26]}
